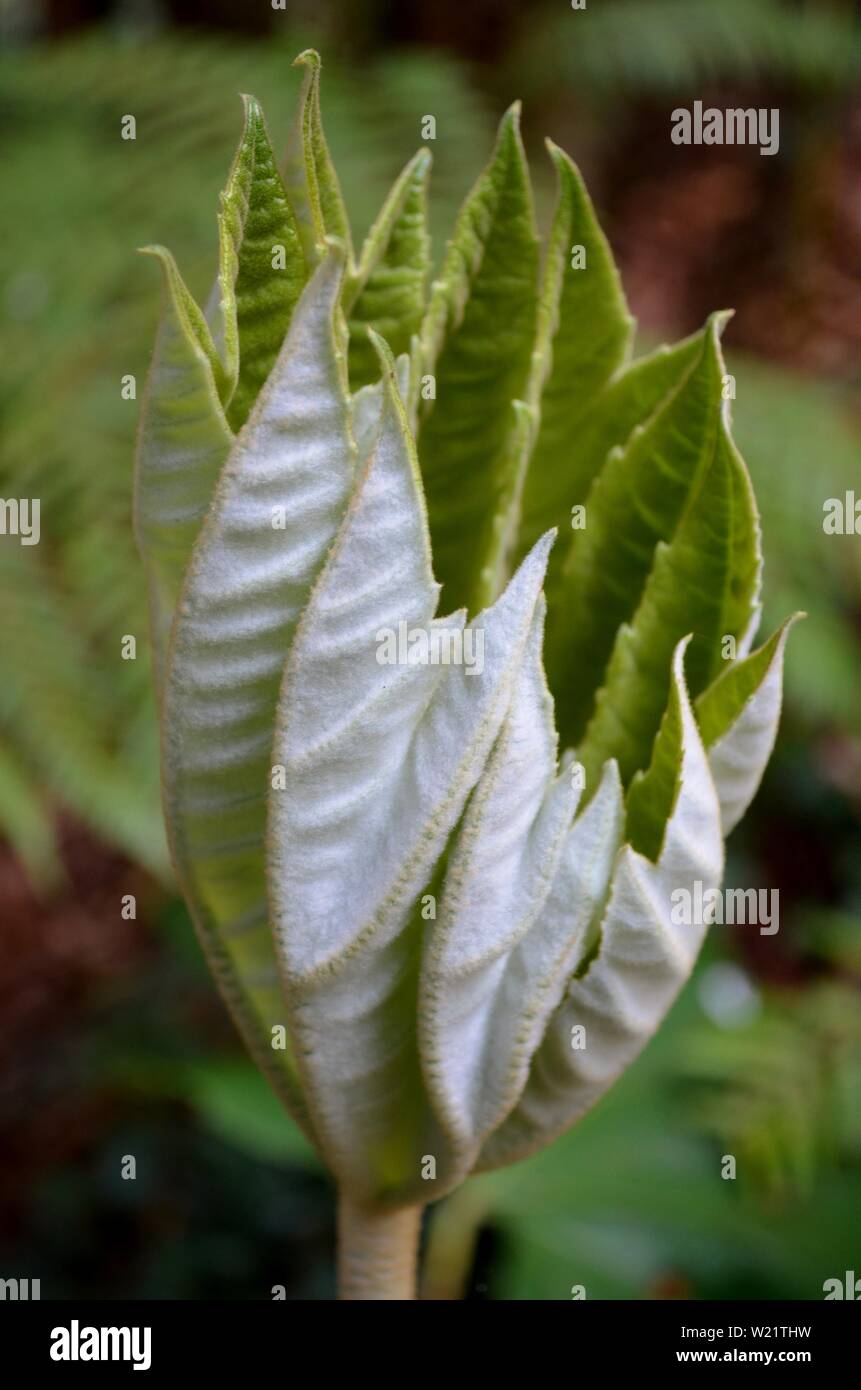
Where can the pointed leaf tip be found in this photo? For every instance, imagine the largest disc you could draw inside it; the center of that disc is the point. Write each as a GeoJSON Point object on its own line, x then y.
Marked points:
{"type": "Point", "coordinates": [738, 716]}
{"type": "Point", "coordinates": [544, 544]}
{"type": "Point", "coordinates": [388, 286]}
{"type": "Point", "coordinates": [508, 132]}
{"type": "Point", "coordinates": [717, 321]}
{"type": "Point", "coordinates": [535, 561]}
{"type": "Point", "coordinates": [477, 340]}
{"type": "Point", "coordinates": [311, 181]}
{"type": "Point", "coordinates": [383, 351]}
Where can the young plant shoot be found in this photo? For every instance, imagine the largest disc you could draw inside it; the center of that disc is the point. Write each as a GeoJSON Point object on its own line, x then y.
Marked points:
{"type": "Point", "coordinates": [453, 617]}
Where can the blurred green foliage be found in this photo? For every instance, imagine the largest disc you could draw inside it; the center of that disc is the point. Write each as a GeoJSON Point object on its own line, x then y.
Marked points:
{"type": "Point", "coordinates": [680, 46]}
{"type": "Point", "coordinates": [802, 447]}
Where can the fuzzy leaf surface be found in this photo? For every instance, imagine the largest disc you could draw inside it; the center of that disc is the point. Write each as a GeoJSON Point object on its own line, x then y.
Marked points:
{"type": "Point", "coordinates": [702, 582]}
{"type": "Point", "coordinates": [183, 442]}
{"type": "Point", "coordinates": [477, 343]}
{"type": "Point", "coordinates": [309, 174]}
{"type": "Point", "coordinates": [642, 958]}
{"type": "Point", "coordinates": [628, 399]}
{"type": "Point", "coordinates": [519, 900]}
{"type": "Point", "coordinates": [379, 762]}
{"type": "Point", "coordinates": [389, 290]}
{"type": "Point", "coordinates": [738, 716]}
{"type": "Point", "coordinates": [583, 337]}
{"type": "Point", "coordinates": [247, 584]}
{"type": "Point", "coordinates": [636, 501]}
{"type": "Point", "coordinates": [262, 267]}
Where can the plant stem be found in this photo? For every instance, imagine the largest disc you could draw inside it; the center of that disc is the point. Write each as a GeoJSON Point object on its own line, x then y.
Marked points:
{"type": "Point", "coordinates": [452, 1239]}
{"type": "Point", "coordinates": [377, 1251]}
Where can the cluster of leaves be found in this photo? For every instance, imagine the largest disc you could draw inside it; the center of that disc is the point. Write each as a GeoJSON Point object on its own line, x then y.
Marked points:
{"type": "Point", "coordinates": [441, 784]}
{"type": "Point", "coordinates": [77, 724]}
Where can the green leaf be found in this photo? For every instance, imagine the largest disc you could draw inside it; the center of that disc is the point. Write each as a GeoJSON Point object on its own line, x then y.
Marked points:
{"type": "Point", "coordinates": [642, 959]}
{"type": "Point", "coordinates": [183, 442]}
{"type": "Point", "coordinates": [654, 792]}
{"type": "Point", "coordinates": [586, 324]}
{"type": "Point", "coordinates": [745, 581]}
{"type": "Point", "coordinates": [379, 760]}
{"type": "Point", "coordinates": [627, 400]}
{"type": "Point", "coordinates": [688, 591]}
{"type": "Point", "coordinates": [275, 512]}
{"type": "Point", "coordinates": [738, 716]}
{"type": "Point", "coordinates": [389, 289]}
{"type": "Point", "coordinates": [309, 174]}
{"type": "Point", "coordinates": [636, 501]}
{"type": "Point", "coordinates": [583, 336]}
{"type": "Point", "coordinates": [477, 342]}
{"type": "Point", "coordinates": [262, 266]}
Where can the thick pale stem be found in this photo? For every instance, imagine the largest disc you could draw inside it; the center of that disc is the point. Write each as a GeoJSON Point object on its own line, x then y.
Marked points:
{"type": "Point", "coordinates": [377, 1251]}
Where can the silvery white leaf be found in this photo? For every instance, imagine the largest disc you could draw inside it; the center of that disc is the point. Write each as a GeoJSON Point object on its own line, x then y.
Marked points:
{"type": "Point", "coordinates": [641, 962]}
{"type": "Point", "coordinates": [379, 760]}
{"type": "Point", "coordinates": [491, 1014]}
{"type": "Point", "coordinates": [247, 583]}
{"type": "Point", "coordinates": [473, 993]}
{"type": "Point", "coordinates": [739, 757]}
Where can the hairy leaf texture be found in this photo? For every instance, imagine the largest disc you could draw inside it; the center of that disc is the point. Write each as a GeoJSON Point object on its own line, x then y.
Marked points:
{"type": "Point", "coordinates": [246, 586]}
{"type": "Point", "coordinates": [262, 266]}
{"type": "Point", "coordinates": [389, 289]}
{"type": "Point", "coordinates": [430, 783]}
{"type": "Point", "coordinates": [476, 343]}
{"type": "Point", "coordinates": [379, 764]}
{"type": "Point", "coordinates": [641, 959]}
{"type": "Point", "coordinates": [183, 441]}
